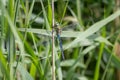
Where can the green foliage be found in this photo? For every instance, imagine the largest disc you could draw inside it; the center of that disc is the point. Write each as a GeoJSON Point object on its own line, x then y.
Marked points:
{"type": "Point", "coordinates": [89, 36]}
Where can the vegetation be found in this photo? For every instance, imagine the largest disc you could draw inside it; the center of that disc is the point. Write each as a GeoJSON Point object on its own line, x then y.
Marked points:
{"type": "Point", "coordinates": [90, 37]}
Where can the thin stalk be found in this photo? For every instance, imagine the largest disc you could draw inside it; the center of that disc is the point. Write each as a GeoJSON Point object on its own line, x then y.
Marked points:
{"type": "Point", "coordinates": [45, 16]}
{"type": "Point", "coordinates": [26, 20]}
{"type": "Point", "coordinates": [64, 11]}
{"type": "Point", "coordinates": [2, 28]}
{"type": "Point", "coordinates": [108, 64]}
{"type": "Point", "coordinates": [79, 14]}
{"type": "Point", "coordinates": [53, 55]}
{"type": "Point", "coordinates": [11, 40]}
{"type": "Point", "coordinates": [28, 13]}
{"type": "Point", "coordinates": [78, 6]}
{"type": "Point", "coordinates": [78, 9]}
{"type": "Point", "coordinates": [15, 18]}
{"type": "Point", "coordinates": [97, 68]}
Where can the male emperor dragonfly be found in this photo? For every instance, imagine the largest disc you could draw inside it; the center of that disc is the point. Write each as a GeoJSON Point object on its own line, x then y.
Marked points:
{"type": "Point", "coordinates": [57, 29]}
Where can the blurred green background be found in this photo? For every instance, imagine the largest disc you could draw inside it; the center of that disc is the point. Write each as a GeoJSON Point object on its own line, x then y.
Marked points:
{"type": "Point", "coordinates": [90, 37]}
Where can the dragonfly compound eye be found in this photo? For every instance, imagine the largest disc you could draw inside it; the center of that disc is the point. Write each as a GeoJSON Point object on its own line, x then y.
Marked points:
{"type": "Point", "coordinates": [56, 24]}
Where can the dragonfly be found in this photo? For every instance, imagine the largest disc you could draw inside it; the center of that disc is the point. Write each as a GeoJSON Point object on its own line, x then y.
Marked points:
{"type": "Point", "coordinates": [58, 31]}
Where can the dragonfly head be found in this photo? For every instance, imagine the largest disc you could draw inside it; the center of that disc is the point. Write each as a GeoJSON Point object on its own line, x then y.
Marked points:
{"type": "Point", "coordinates": [57, 24]}
{"type": "Point", "coordinates": [57, 28]}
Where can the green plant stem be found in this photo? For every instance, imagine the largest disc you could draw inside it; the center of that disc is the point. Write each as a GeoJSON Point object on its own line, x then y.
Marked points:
{"type": "Point", "coordinates": [2, 28]}
{"type": "Point", "coordinates": [78, 2]}
{"type": "Point", "coordinates": [97, 68]}
{"type": "Point", "coordinates": [64, 11]}
{"type": "Point", "coordinates": [107, 66]}
{"type": "Point", "coordinates": [78, 9]}
{"type": "Point", "coordinates": [11, 40]}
